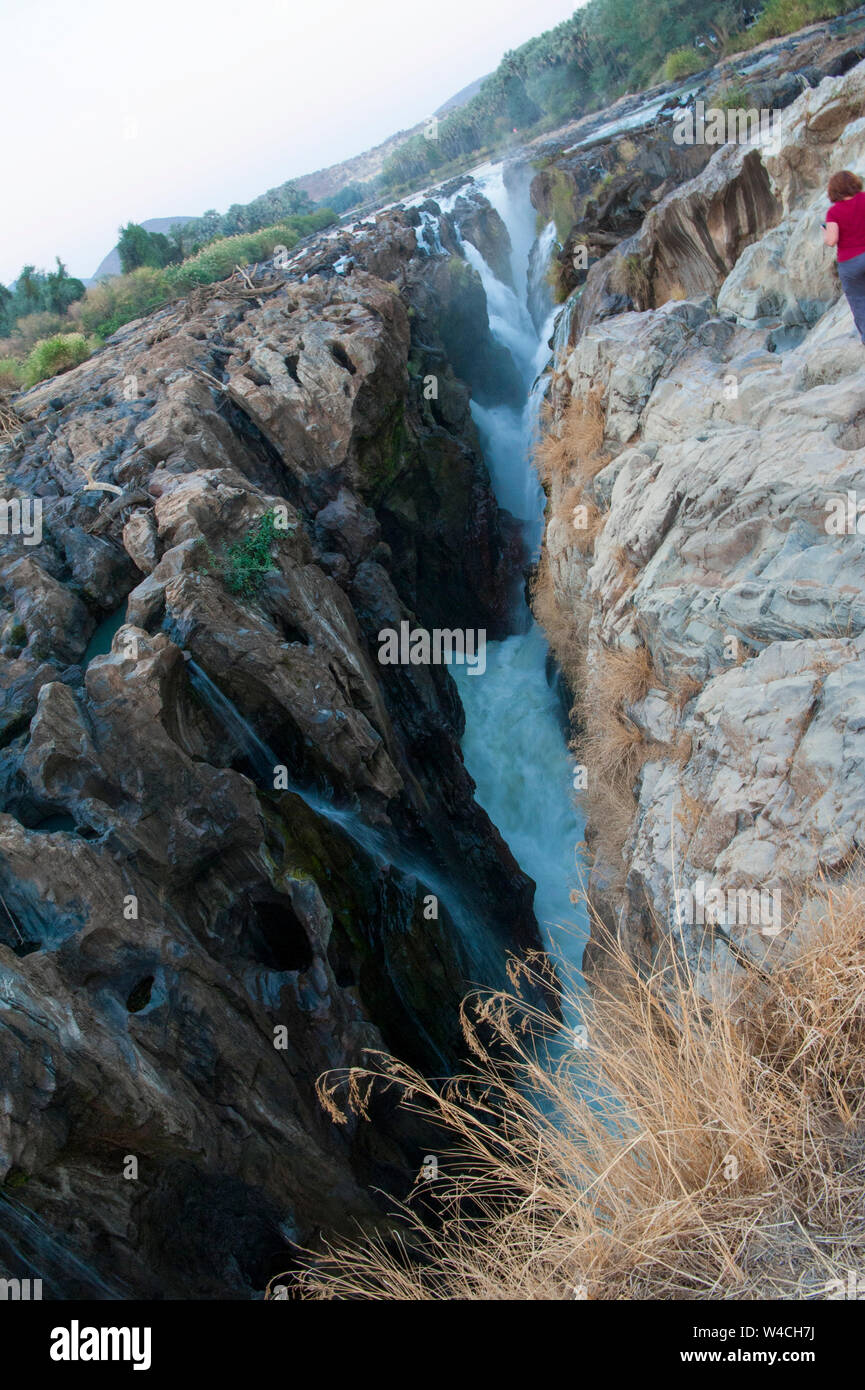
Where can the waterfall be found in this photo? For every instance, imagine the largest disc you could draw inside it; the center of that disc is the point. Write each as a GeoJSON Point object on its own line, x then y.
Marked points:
{"type": "Point", "coordinates": [30, 1249]}
{"type": "Point", "coordinates": [564, 323]}
{"type": "Point", "coordinates": [260, 757]}
{"type": "Point", "coordinates": [538, 284]}
{"type": "Point", "coordinates": [428, 234]}
{"type": "Point", "coordinates": [513, 744]}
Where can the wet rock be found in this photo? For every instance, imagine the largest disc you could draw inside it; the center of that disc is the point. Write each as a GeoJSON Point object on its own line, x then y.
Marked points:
{"type": "Point", "coordinates": [236, 850]}
{"type": "Point", "coordinates": [480, 224]}
{"type": "Point", "coordinates": [53, 617]}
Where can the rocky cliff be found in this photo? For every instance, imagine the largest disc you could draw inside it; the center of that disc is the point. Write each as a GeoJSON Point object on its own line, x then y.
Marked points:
{"type": "Point", "coordinates": [235, 850]}
{"type": "Point", "coordinates": [696, 579]}
{"type": "Point", "coordinates": [599, 178]}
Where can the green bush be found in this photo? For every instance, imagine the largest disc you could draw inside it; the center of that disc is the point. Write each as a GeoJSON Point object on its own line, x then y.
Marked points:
{"type": "Point", "coordinates": [561, 198]}
{"type": "Point", "coordinates": [217, 260]}
{"type": "Point", "coordinates": [137, 247]}
{"type": "Point", "coordinates": [732, 97]}
{"type": "Point", "coordinates": [780, 17]}
{"type": "Point", "coordinates": [32, 328]}
{"type": "Point", "coordinates": [682, 62]}
{"type": "Point", "coordinates": [118, 300]}
{"type": "Point", "coordinates": [11, 375]}
{"type": "Point", "coordinates": [55, 355]}
{"type": "Point", "coordinates": [38, 292]}
{"type": "Point", "coordinates": [246, 562]}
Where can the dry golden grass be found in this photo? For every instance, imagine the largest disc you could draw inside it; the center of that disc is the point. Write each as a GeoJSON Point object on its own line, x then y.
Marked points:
{"type": "Point", "coordinates": [610, 743]}
{"type": "Point", "coordinates": [584, 526]}
{"type": "Point", "coordinates": [627, 575]}
{"type": "Point", "coordinates": [706, 1144]}
{"type": "Point", "coordinates": [690, 811]}
{"type": "Point", "coordinates": [610, 807]}
{"type": "Point", "coordinates": [624, 675]}
{"type": "Point", "coordinates": [683, 748]}
{"type": "Point", "coordinates": [566, 627]}
{"type": "Point", "coordinates": [685, 689]}
{"type": "Point", "coordinates": [630, 276]}
{"type": "Point", "coordinates": [574, 450]}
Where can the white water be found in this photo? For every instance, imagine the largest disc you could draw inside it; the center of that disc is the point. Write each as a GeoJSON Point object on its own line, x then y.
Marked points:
{"type": "Point", "coordinates": [514, 744]}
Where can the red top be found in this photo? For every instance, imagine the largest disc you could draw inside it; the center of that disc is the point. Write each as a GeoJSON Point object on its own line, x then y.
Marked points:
{"type": "Point", "coordinates": [850, 216]}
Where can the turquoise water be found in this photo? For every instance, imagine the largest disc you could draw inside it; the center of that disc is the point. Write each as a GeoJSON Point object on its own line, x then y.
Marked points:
{"type": "Point", "coordinates": [103, 636]}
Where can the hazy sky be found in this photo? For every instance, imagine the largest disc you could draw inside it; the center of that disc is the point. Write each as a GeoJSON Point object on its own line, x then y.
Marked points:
{"type": "Point", "coordinates": [115, 113]}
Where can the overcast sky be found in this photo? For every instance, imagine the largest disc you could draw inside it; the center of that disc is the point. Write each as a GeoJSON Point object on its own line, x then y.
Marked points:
{"type": "Point", "coordinates": [115, 113]}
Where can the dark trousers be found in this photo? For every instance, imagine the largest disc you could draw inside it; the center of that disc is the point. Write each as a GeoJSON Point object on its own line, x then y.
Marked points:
{"type": "Point", "coordinates": [852, 275]}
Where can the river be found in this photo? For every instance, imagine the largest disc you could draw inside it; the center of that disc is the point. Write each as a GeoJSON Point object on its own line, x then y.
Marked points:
{"type": "Point", "coordinates": [514, 744]}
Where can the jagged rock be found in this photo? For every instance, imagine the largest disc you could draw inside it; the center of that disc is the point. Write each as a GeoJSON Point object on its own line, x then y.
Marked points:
{"type": "Point", "coordinates": [55, 620]}
{"type": "Point", "coordinates": [141, 541]}
{"type": "Point", "coordinates": [171, 901]}
{"type": "Point", "coordinates": [717, 553]}
{"type": "Point", "coordinates": [480, 224]}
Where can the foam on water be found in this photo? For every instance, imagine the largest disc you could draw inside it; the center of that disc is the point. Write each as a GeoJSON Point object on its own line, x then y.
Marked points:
{"type": "Point", "coordinates": [514, 743]}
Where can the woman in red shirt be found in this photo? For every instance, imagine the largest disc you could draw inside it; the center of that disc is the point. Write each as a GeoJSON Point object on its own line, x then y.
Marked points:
{"type": "Point", "coordinates": [845, 228]}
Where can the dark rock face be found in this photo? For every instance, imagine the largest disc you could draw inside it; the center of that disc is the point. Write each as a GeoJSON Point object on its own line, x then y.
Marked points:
{"type": "Point", "coordinates": [480, 224]}
{"type": "Point", "coordinates": [235, 850]}
{"type": "Point", "coordinates": [603, 193]}
{"type": "Point", "coordinates": [451, 300]}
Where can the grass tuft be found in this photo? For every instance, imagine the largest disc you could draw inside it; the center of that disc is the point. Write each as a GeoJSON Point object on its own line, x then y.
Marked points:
{"type": "Point", "coordinates": [573, 450]}
{"type": "Point", "coordinates": [707, 1143]}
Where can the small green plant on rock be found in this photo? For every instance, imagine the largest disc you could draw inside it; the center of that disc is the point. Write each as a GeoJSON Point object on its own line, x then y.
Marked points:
{"type": "Point", "coordinates": [733, 96]}
{"type": "Point", "coordinates": [247, 561]}
{"type": "Point", "coordinates": [683, 62]}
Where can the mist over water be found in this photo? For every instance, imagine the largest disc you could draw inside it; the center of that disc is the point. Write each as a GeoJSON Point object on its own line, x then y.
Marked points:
{"type": "Point", "coordinates": [514, 744]}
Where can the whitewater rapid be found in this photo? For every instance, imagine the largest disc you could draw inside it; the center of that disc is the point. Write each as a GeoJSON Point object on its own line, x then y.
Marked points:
{"type": "Point", "coordinates": [514, 743]}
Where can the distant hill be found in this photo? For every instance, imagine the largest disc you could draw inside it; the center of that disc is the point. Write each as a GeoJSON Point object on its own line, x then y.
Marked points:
{"type": "Point", "coordinates": [324, 183]}
{"type": "Point", "coordinates": [453, 103]}
{"type": "Point", "coordinates": [111, 264]}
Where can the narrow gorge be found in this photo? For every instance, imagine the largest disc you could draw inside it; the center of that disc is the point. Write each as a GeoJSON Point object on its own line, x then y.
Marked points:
{"type": "Point", "coordinates": [238, 850]}
{"type": "Point", "coordinates": [593, 402]}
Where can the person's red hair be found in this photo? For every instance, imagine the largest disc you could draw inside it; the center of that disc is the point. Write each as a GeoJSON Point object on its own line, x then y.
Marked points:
{"type": "Point", "coordinates": [844, 185]}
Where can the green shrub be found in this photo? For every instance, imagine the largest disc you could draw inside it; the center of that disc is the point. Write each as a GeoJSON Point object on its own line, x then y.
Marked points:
{"type": "Point", "coordinates": [732, 97]}
{"type": "Point", "coordinates": [32, 328]}
{"type": "Point", "coordinates": [246, 562]}
{"type": "Point", "coordinates": [55, 355]}
{"type": "Point", "coordinates": [137, 247]}
{"type": "Point", "coordinates": [780, 17]}
{"type": "Point", "coordinates": [561, 199]}
{"type": "Point", "coordinates": [682, 62]}
{"type": "Point", "coordinates": [11, 375]}
{"type": "Point", "coordinates": [217, 261]}
{"type": "Point", "coordinates": [120, 299]}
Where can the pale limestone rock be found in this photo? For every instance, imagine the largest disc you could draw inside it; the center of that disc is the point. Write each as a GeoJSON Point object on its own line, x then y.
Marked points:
{"type": "Point", "coordinates": [727, 456]}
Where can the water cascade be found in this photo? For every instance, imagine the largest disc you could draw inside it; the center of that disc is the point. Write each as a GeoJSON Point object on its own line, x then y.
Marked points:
{"type": "Point", "coordinates": [513, 744]}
